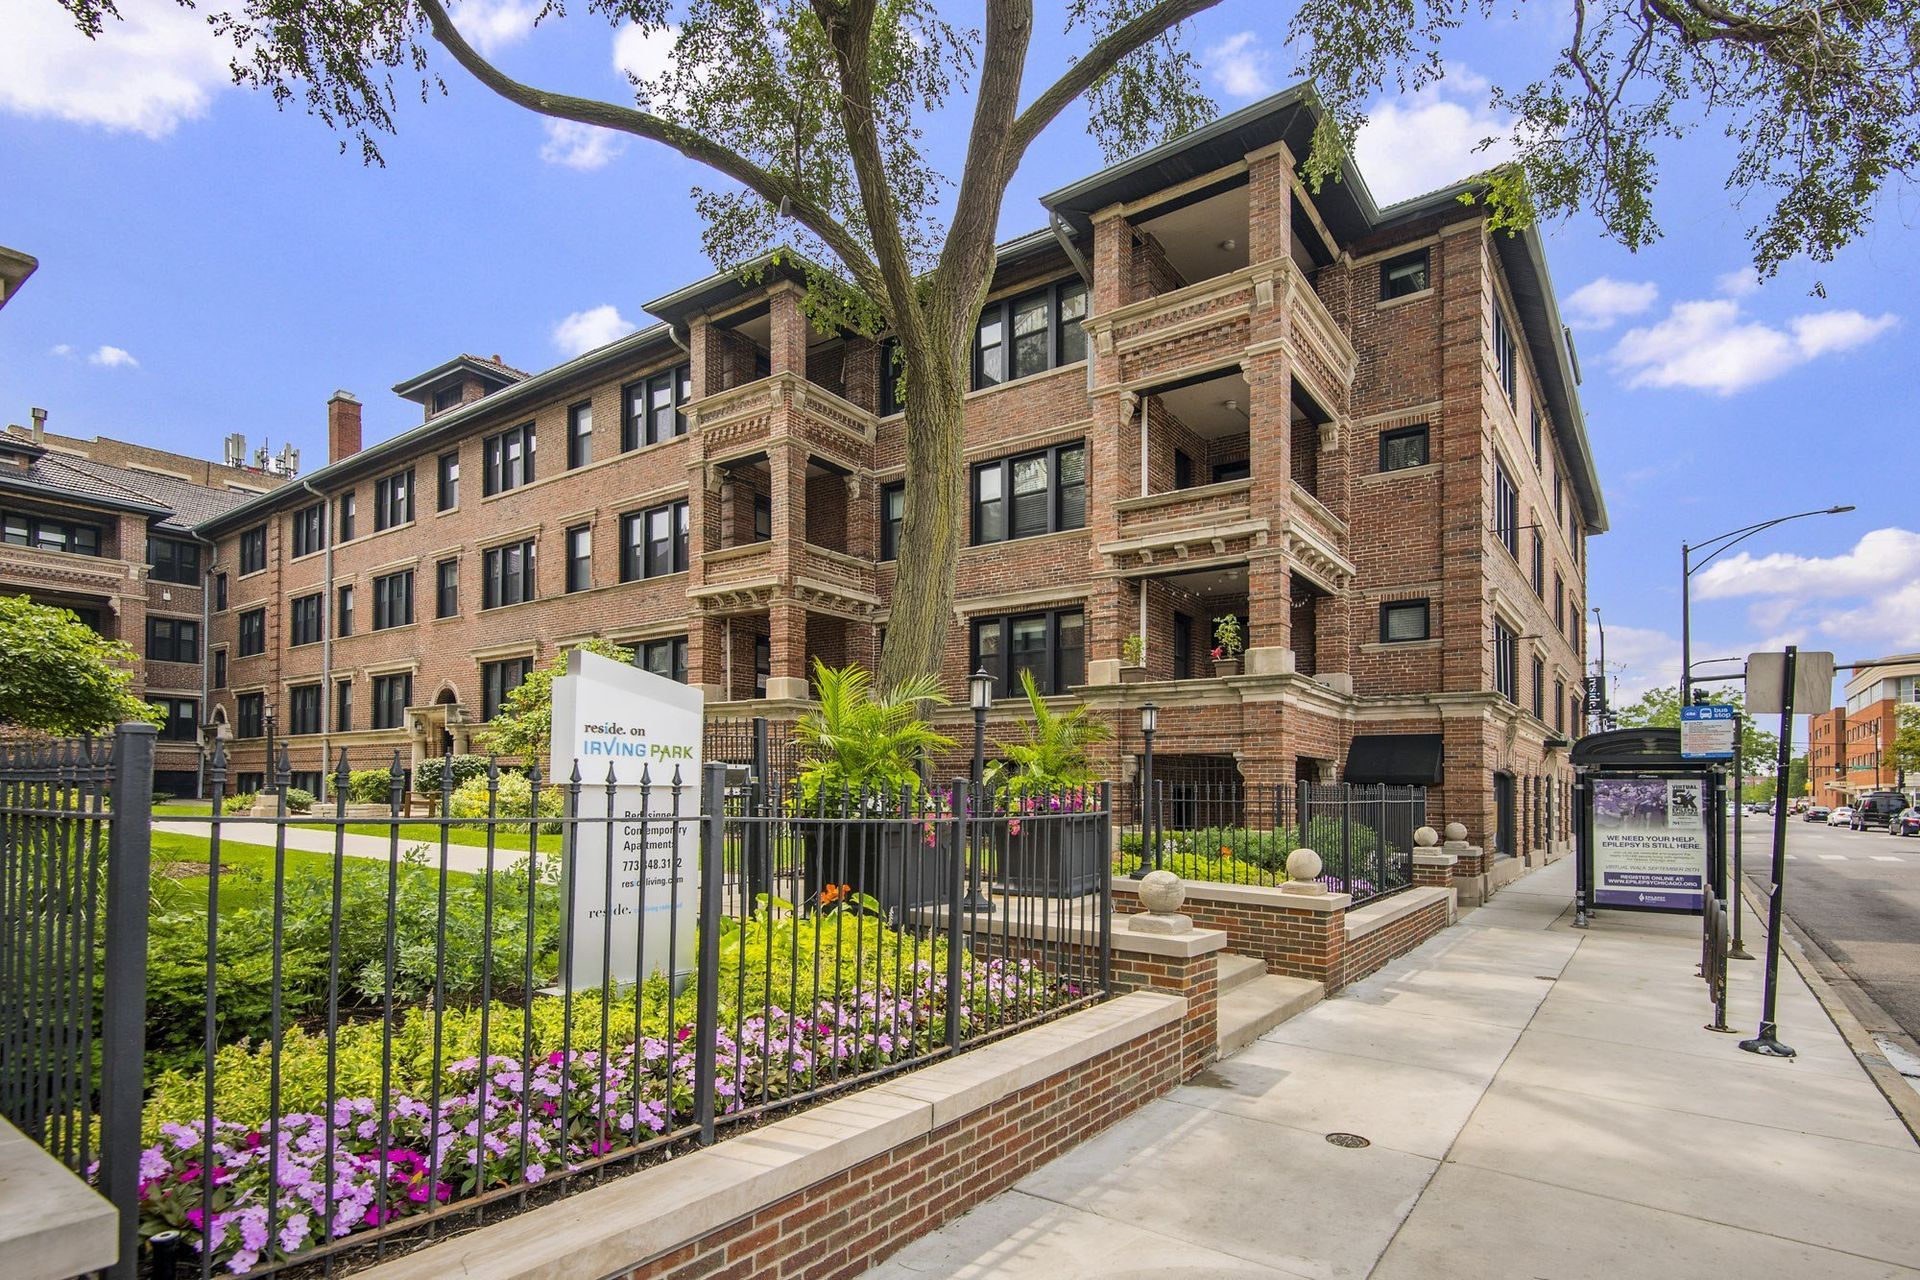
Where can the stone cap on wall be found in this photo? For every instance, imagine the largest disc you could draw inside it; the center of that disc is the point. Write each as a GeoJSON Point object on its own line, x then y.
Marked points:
{"type": "Point", "coordinates": [52, 1225]}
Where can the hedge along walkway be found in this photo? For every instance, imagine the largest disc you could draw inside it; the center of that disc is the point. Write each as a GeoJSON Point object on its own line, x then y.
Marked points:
{"type": "Point", "coordinates": [460, 857]}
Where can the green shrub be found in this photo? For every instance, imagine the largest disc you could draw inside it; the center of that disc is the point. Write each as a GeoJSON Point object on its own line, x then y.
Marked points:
{"type": "Point", "coordinates": [163, 797]}
{"type": "Point", "coordinates": [299, 801]}
{"type": "Point", "coordinates": [514, 800]}
{"type": "Point", "coordinates": [1245, 855]}
{"type": "Point", "coordinates": [370, 786]}
{"type": "Point", "coordinates": [426, 774]}
{"type": "Point", "coordinates": [239, 802]}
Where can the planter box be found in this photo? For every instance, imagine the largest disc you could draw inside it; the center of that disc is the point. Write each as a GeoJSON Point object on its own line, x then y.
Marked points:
{"type": "Point", "coordinates": [1054, 856]}
{"type": "Point", "coordinates": [1226, 666]}
{"type": "Point", "coordinates": [1133, 675]}
{"type": "Point", "coordinates": [887, 859]}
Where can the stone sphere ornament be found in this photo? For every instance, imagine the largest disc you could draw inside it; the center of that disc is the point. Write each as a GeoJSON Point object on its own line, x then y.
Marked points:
{"type": "Point", "coordinates": [1426, 837]}
{"type": "Point", "coordinates": [1161, 892]}
{"type": "Point", "coordinates": [1303, 864]}
{"type": "Point", "coordinates": [1457, 832]}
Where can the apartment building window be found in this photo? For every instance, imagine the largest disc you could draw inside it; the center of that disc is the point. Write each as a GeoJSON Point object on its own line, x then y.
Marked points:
{"type": "Point", "coordinates": [1035, 493]}
{"type": "Point", "coordinates": [1506, 509]}
{"type": "Point", "coordinates": [1539, 689]}
{"type": "Point", "coordinates": [893, 509]}
{"type": "Point", "coordinates": [498, 679]}
{"type": "Point", "coordinates": [1407, 273]}
{"type": "Point", "coordinates": [1182, 470]}
{"type": "Point", "coordinates": [579, 435]}
{"type": "Point", "coordinates": [762, 518]}
{"type": "Point", "coordinates": [508, 575]}
{"type": "Point", "coordinates": [219, 668]}
{"type": "Point", "coordinates": [306, 626]}
{"type": "Point", "coordinates": [656, 408]}
{"type": "Point", "coordinates": [1225, 471]}
{"type": "Point", "coordinates": [393, 500]}
{"type": "Point", "coordinates": [1050, 644]}
{"type": "Point", "coordinates": [220, 592]}
{"type": "Point", "coordinates": [250, 718]}
{"type": "Point", "coordinates": [20, 530]}
{"type": "Point", "coordinates": [1506, 358]}
{"type": "Point", "coordinates": [343, 706]}
{"type": "Point", "coordinates": [253, 551]}
{"type": "Point", "coordinates": [1403, 620]}
{"type": "Point", "coordinates": [446, 589]}
{"type": "Point", "coordinates": [1539, 451]}
{"type": "Point", "coordinates": [890, 368]}
{"type": "Point", "coordinates": [253, 632]}
{"type": "Point", "coordinates": [666, 657]}
{"type": "Point", "coordinates": [1539, 572]}
{"type": "Point", "coordinates": [173, 640]}
{"type": "Point", "coordinates": [1182, 647]}
{"type": "Point", "coordinates": [182, 722]}
{"type": "Point", "coordinates": [348, 509]}
{"type": "Point", "coordinates": [1506, 661]}
{"type": "Point", "coordinates": [172, 560]}
{"type": "Point", "coordinates": [303, 709]}
{"type": "Point", "coordinates": [309, 529]}
{"type": "Point", "coordinates": [653, 542]}
{"type": "Point", "coordinates": [509, 458]}
{"type": "Point", "coordinates": [393, 600]}
{"type": "Point", "coordinates": [1030, 334]}
{"type": "Point", "coordinates": [449, 469]}
{"type": "Point", "coordinates": [1403, 447]}
{"type": "Point", "coordinates": [343, 614]}
{"type": "Point", "coordinates": [1559, 706]}
{"type": "Point", "coordinates": [579, 557]}
{"type": "Point", "coordinates": [448, 398]}
{"type": "Point", "coordinates": [762, 665]}
{"type": "Point", "coordinates": [1559, 499]}
{"type": "Point", "coordinates": [1559, 602]}
{"type": "Point", "coordinates": [391, 696]}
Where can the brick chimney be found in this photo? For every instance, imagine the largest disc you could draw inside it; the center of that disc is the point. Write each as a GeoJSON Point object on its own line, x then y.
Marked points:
{"type": "Point", "coordinates": [343, 426]}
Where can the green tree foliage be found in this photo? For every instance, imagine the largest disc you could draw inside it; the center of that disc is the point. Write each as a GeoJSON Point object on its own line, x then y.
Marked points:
{"type": "Point", "coordinates": [1053, 752]}
{"type": "Point", "coordinates": [1660, 709]}
{"type": "Point", "coordinates": [1905, 753]}
{"type": "Point", "coordinates": [525, 720]}
{"type": "Point", "coordinates": [60, 676]}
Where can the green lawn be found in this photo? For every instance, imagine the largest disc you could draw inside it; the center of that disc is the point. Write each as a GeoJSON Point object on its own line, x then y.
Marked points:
{"type": "Point", "coordinates": [428, 833]}
{"type": "Point", "coordinates": [246, 879]}
{"type": "Point", "coordinates": [181, 809]}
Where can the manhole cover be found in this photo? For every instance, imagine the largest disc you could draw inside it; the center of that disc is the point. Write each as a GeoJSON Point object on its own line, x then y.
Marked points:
{"type": "Point", "coordinates": [1348, 1140]}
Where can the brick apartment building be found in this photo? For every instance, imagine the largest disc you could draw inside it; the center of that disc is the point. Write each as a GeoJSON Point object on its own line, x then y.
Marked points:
{"type": "Point", "coordinates": [1849, 749]}
{"type": "Point", "coordinates": [1204, 391]}
{"type": "Point", "coordinates": [105, 528]}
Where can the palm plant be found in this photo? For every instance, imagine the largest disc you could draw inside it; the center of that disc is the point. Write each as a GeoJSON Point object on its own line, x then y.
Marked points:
{"type": "Point", "coordinates": [1054, 755]}
{"type": "Point", "coordinates": [861, 743]}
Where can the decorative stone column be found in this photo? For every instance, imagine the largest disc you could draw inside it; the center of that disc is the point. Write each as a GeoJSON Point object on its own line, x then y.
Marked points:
{"type": "Point", "coordinates": [1470, 866]}
{"type": "Point", "coordinates": [1432, 865]}
{"type": "Point", "coordinates": [1159, 949]}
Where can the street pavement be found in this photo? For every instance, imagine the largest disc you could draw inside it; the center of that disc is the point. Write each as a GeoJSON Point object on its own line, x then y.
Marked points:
{"type": "Point", "coordinates": [1538, 1102]}
{"type": "Point", "coordinates": [1857, 894]}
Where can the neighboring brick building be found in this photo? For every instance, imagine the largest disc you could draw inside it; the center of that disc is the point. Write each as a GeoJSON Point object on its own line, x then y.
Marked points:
{"type": "Point", "coordinates": [1826, 757]}
{"type": "Point", "coordinates": [1205, 392]}
{"type": "Point", "coordinates": [105, 528]}
{"type": "Point", "coordinates": [1874, 694]}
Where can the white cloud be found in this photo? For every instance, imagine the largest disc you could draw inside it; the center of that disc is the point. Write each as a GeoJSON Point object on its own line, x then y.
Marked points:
{"type": "Point", "coordinates": [1240, 66]}
{"type": "Point", "coordinates": [1638, 659]}
{"type": "Point", "coordinates": [1709, 345]}
{"type": "Point", "coordinates": [1599, 302]}
{"type": "Point", "coordinates": [595, 327]}
{"type": "Point", "coordinates": [580, 146]}
{"type": "Point", "coordinates": [491, 25]}
{"type": "Point", "coordinates": [63, 349]}
{"type": "Point", "coordinates": [113, 358]}
{"type": "Point", "coordinates": [1879, 560]}
{"type": "Point", "coordinates": [1430, 139]}
{"type": "Point", "coordinates": [145, 74]}
{"type": "Point", "coordinates": [1737, 284]}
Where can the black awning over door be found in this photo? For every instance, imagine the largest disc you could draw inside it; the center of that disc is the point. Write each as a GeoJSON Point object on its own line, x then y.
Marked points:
{"type": "Point", "coordinates": [1397, 759]}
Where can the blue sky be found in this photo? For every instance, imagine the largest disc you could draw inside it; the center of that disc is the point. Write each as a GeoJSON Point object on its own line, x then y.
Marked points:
{"type": "Point", "coordinates": [212, 265]}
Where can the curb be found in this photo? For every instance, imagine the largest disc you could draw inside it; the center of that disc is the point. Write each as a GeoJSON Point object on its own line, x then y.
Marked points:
{"type": "Point", "coordinates": [1827, 980]}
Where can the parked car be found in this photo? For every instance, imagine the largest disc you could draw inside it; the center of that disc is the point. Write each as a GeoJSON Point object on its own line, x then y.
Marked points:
{"type": "Point", "coordinates": [1818, 813]}
{"type": "Point", "coordinates": [1905, 823]}
{"type": "Point", "coordinates": [1840, 817]}
{"type": "Point", "coordinates": [1876, 808]}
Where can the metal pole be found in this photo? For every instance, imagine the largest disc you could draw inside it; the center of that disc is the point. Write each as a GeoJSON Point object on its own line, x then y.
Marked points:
{"type": "Point", "coordinates": [1686, 628]}
{"type": "Point", "coordinates": [976, 903]}
{"type": "Point", "coordinates": [123, 1014]}
{"type": "Point", "coordinates": [1737, 951]}
{"type": "Point", "coordinates": [713, 836]}
{"type": "Point", "coordinates": [1767, 1042]}
{"type": "Point", "coordinates": [1149, 847]}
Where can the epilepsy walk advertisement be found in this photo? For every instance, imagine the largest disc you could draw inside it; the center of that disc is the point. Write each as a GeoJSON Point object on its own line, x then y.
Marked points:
{"type": "Point", "coordinates": [1649, 843]}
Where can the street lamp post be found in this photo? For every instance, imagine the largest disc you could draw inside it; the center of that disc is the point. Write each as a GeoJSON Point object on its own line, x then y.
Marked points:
{"type": "Point", "coordinates": [266, 777]}
{"type": "Point", "coordinates": [1718, 544]}
{"type": "Point", "coordinates": [1149, 721]}
{"type": "Point", "coordinates": [980, 696]}
{"type": "Point", "coordinates": [1600, 718]}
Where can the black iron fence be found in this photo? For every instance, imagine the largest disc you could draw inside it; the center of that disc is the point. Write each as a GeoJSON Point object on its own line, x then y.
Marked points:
{"type": "Point", "coordinates": [361, 1028]}
{"type": "Point", "coordinates": [1235, 833]}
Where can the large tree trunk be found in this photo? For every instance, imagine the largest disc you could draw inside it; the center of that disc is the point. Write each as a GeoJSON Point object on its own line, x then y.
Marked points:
{"type": "Point", "coordinates": [932, 526]}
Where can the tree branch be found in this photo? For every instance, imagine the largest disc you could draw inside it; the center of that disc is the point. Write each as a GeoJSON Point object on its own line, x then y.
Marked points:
{"type": "Point", "coordinates": [771, 187]}
{"type": "Point", "coordinates": [1099, 60]}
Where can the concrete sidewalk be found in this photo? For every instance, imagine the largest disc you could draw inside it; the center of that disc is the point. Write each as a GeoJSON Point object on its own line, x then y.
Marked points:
{"type": "Point", "coordinates": [460, 857]}
{"type": "Point", "coordinates": [1540, 1102]}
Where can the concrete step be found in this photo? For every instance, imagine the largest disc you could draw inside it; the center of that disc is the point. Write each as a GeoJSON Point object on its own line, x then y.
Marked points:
{"type": "Point", "coordinates": [1236, 971]}
{"type": "Point", "coordinates": [1254, 1008]}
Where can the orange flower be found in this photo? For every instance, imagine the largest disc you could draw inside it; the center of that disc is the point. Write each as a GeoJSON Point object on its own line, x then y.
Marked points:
{"type": "Point", "coordinates": [1226, 851]}
{"type": "Point", "coordinates": [828, 893]}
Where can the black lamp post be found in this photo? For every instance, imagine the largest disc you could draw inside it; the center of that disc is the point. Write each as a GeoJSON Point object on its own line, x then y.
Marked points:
{"type": "Point", "coordinates": [266, 778]}
{"type": "Point", "coordinates": [980, 696]}
{"type": "Point", "coordinates": [1149, 721]}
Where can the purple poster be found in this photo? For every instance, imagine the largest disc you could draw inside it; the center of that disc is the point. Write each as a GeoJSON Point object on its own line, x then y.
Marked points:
{"type": "Point", "coordinates": [1649, 843]}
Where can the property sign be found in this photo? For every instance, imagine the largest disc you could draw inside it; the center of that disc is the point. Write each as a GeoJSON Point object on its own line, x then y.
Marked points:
{"type": "Point", "coordinates": [631, 881]}
{"type": "Point", "coordinates": [1596, 695]}
{"type": "Point", "coordinates": [1649, 843]}
{"type": "Point", "coordinates": [1706, 732]}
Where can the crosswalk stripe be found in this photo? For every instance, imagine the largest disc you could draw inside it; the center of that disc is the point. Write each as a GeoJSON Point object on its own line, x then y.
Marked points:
{"type": "Point", "coordinates": [1833, 857]}
{"type": "Point", "coordinates": [1887, 857]}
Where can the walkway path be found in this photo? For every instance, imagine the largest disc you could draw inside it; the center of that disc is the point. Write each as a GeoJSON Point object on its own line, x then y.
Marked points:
{"type": "Point", "coordinates": [460, 857]}
{"type": "Point", "coordinates": [1540, 1102]}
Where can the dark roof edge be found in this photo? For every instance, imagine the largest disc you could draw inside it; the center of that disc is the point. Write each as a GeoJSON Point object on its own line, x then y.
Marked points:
{"type": "Point", "coordinates": [421, 381]}
{"type": "Point", "coordinates": [81, 498]}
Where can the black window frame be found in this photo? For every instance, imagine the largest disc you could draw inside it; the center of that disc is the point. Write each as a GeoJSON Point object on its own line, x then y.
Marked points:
{"type": "Point", "coordinates": [393, 500]}
{"type": "Point", "coordinates": [1003, 666]}
{"type": "Point", "coordinates": [388, 711]}
{"type": "Point", "coordinates": [890, 522]}
{"type": "Point", "coordinates": [343, 706]}
{"type": "Point", "coordinates": [1401, 436]}
{"type": "Point", "coordinates": [304, 710]}
{"type": "Point", "coordinates": [220, 592]}
{"type": "Point", "coordinates": [250, 715]}
{"type": "Point", "coordinates": [1506, 509]}
{"type": "Point", "coordinates": [1391, 277]}
{"type": "Point", "coordinates": [1506, 356]}
{"type": "Point", "coordinates": [889, 399]}
{"type": "Point", "coordinates": [762, 517]}
{"type": "Point", "coordinates": [1063, 346]}
{"type": "Point", "coordinates": [762, 664]}
{"type": "Point", "coordinates": [579, 438]}
{"type": "Point", "coordinates": [638, 559]}
{"type": "Point", "coordinates": [309, 530]}
{"type": "Point", "coordinates": [173, 560]}
{"type": "Point", "coordinates": [447, 475]}
{"type": "Point", "coordinates": [647, 655]}
{"type": "Point", "coordinates": [252, 631]}
{"type": "Point", "coordinates": [393, 600]}
{"type": "Point", "coordinates": [637, 428]}
{"type": "Point", "coordinates": [343, 611]}
{"type": "Point", "coordinates": [48, 533]}
{"type": "Point", "coordinates": [1537, 567]}
{"type": "Point", "coordinates": [503, 470]}
{"type": "Point", "coordinates": [1506, 661]}
{"type": "Point", "coordinates": [498, 679]}
{"type": "Point", "coordinates": [1388, 608]}
{"type": "Point", "coordinates": [449, 397]}
{"type": "Point", "coordinates": [1182, 646]}
{"type": "Point", "coordinates": [1182, 469]}
{"type": "Point", "coordinates": [1055, 493]}
{"type": "Point", "coordinates": [253, 550]}
{"type": "Point", "coordinates": [306, 620]}
{"type": "Point", "coordinates": [172, 639]}
{"type": "Point", "coordinates": [1238, 469]}
{"type": "Point", "coordinates": [219, 674]}
{"type": "Point", "coordinates": [1539, 445]}
{"type": "Point", "coordinates": [446, 588]}
{"type": "Point", "coordinates": [508, 574]}
{"type": "Point", "coordinates": [1539, 704]}
{"type": "Point", "coordinates": [579, 576]}
{"type": "Point", "coordinates": [346, 511]}
{"type": "Point", "coordinates": [181, 722]}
